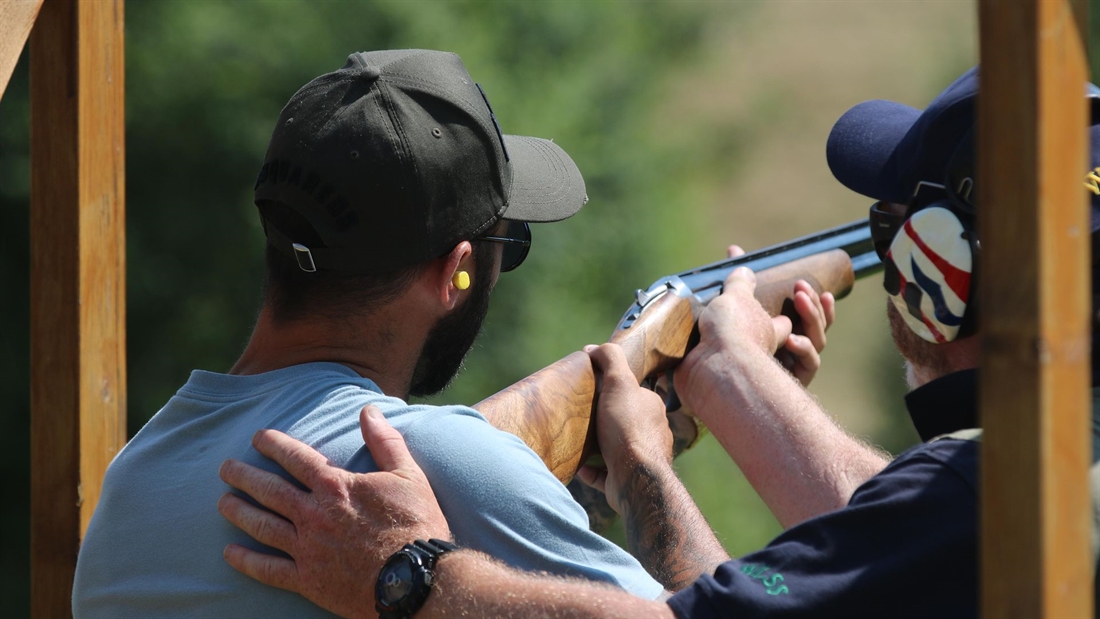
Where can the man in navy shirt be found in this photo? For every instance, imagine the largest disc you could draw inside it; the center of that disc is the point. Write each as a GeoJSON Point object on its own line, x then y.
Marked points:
{"type": "Point", "coordinates": [903, 542]}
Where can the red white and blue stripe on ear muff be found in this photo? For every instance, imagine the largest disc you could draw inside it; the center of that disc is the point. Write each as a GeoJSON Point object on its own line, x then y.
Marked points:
{"type": "Point", "coordinates": [928, 273]}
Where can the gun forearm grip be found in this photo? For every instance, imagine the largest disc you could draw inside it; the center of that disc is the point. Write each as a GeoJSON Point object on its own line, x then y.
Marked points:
{"type": "Point", "coordinates": [550, 410]}
{"type": "Point", "coordinates": [658, 340]}
{"type": "Point", "coordinates": [829, 271]}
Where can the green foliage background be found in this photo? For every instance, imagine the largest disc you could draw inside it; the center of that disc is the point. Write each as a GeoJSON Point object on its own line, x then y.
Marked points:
{"type": "Point", "coordinates": [669, 108]}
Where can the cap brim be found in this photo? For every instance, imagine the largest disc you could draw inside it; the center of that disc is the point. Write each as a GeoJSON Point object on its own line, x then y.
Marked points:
{"type": "Point", "coordinates": [862, 144]}
{"type": "Point", "coordinates": [546, 184]}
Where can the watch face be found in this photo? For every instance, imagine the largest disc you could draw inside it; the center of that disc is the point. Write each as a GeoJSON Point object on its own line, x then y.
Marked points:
{"type": "Point", "coordinates": [396, 580]}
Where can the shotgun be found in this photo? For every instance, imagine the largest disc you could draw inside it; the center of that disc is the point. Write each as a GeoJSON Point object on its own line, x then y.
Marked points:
{"type": "Point", "coordinates": [551, 409]}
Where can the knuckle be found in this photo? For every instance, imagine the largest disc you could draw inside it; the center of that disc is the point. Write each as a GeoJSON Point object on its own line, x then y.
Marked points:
{"type": "Point", "coordinates": [266, 572]}
{"type": "Point", "coordinates": [652, 400]}
{"type": "Point", "coordinates": [327, 485]}
{"type": "Point", "coordinates": [614, 359]}
{"type": "Point", "coordinates": [618, 381]}
{"type": "Point", "coordinates": [268, 487]}
{"type": "Point", "coordinates": [262, 529]}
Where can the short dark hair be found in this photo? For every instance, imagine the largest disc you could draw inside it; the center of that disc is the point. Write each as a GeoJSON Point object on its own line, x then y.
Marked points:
{"type": "Point", "coordinates": [292, 293]}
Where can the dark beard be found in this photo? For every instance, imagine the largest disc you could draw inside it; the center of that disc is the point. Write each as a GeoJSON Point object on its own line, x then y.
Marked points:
{"type": "Point", "coordinates": [452, 337]}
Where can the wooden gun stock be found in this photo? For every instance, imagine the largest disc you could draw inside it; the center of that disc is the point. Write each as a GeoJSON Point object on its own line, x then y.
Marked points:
{"type": "Point", "coordinates": [551, 410]}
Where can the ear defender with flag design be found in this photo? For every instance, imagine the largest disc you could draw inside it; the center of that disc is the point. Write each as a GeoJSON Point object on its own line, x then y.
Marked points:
{"type": "Point", "coordinates": [929, 268]}
{"type": "Point", "coordinates": [928, 272]}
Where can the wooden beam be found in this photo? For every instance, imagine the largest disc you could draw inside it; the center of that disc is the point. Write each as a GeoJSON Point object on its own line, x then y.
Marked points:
{"type": "Point", "coordinates": [78, 282]}
{"type": "Point", "coordinates": [1094, 40]}
{"type": "Point", "coordinates": [1034, 287]}
{"type": "Point", "coordinates": [16, 19]}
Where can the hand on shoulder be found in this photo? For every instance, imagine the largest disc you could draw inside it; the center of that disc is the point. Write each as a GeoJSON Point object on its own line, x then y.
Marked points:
{"type": "Point", "coordinates": [340, 532]}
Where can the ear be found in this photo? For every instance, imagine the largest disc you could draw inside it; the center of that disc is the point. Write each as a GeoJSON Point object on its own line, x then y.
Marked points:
{"type": "Point", "coordinates": [458, 259]}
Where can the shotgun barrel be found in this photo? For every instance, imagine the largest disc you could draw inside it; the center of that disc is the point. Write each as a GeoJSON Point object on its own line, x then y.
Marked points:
{"type": "Point", "coordinates": [705, 282]}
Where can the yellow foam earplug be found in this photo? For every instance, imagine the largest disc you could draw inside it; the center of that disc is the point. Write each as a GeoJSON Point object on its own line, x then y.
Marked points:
{"type": "Point", "coordinates": [461, 280]}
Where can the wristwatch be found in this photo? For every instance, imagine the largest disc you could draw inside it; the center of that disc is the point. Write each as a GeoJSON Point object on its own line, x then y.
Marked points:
{"type": "Point", "coordinates": [406, 578]}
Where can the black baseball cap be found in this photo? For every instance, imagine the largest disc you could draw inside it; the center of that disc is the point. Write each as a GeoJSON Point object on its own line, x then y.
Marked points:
{"type": "Point", "coordinates": [882, 149]}
{"type": "Point", "coordinates": [395, 158]}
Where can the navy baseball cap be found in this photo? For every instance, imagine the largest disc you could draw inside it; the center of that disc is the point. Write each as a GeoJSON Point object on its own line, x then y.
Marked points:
{"type": "Point", "coordinates": [395, 158]}
{"type": "Point", "coordinates": [882, 149]}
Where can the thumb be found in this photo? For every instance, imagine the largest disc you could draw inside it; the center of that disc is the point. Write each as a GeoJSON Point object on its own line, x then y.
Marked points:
{"type": "Point", "coordinates": [740, 278]}
{"type": "Point", "coordinates": [611, 360]}
{"type": "Point", "coordinates": [384, 443]}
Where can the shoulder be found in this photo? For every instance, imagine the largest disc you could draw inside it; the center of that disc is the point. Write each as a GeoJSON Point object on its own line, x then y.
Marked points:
{"type": "Point", "coordinates": [457, 444]}
{"type": "Point", "coordinates": [947, 464]}
{"type": "Point", "coordinates": [445, 427]}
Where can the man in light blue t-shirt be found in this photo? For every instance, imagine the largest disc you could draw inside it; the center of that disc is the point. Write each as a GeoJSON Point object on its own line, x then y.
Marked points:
{"type": "Point", "coordinates": [391, 202]}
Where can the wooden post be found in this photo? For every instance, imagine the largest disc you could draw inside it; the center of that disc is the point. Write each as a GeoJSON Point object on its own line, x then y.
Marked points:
{"type": "Point", "coordinates": [78, 282]}
{"type": "Point", "coordinates": [1034, 286]}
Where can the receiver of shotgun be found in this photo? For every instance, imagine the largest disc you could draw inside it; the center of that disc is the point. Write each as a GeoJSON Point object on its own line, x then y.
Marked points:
{"type": "Point", "coordinates": [551, 409]}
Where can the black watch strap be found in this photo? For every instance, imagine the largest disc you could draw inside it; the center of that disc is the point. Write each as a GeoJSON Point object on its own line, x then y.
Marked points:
{"type": "Point", "coordinates": [435, 549]}
{"type": "Point", "coordinates": [427, 555]}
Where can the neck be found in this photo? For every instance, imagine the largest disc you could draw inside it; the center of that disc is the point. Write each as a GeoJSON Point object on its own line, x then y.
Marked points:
{"type": "Point", "coordinates": [951, 357]}
{"type": "Point", "coordinates": [371, 345]}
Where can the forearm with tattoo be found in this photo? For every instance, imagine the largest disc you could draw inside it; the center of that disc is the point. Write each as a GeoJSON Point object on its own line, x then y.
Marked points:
{"type": "Point", "coordinates": [664, 528]}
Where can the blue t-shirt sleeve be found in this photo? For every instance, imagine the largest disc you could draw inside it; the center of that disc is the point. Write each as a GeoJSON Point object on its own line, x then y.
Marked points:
{"type": "Point", "coordinates": [904, 547]}
{"type": "Point", "coordinates": [501, 499]}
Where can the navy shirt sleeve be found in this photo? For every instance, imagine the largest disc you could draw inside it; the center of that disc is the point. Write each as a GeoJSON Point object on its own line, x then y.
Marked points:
{"type": "Point", "coordinates": [905, 546]}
